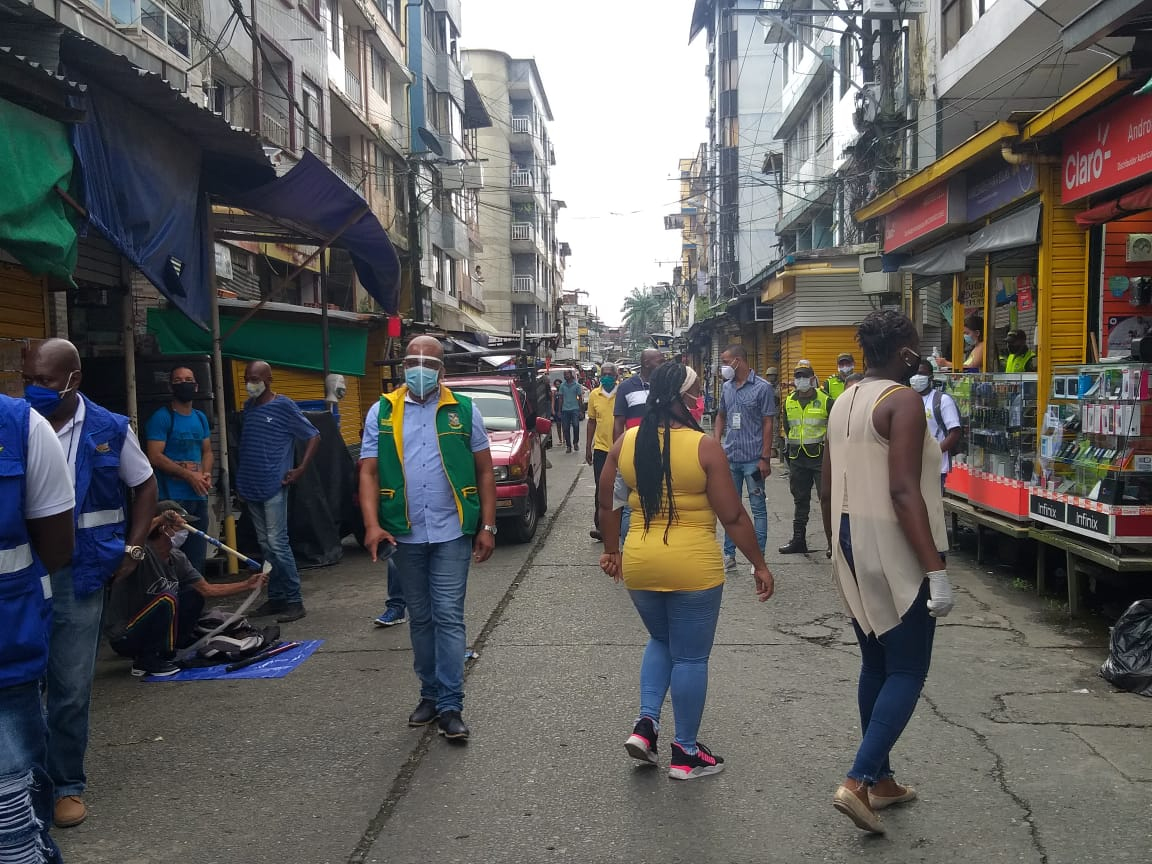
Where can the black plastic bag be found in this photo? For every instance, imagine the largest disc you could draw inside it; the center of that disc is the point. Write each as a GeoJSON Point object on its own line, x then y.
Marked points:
{"type": "Point", "coordinates": [1129, 663]}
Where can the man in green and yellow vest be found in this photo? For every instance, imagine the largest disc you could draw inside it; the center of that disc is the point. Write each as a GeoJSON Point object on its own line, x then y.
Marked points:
{"type": "Point", "coordinates": [838, 383]}
{"type": "Point", "coordinates": [1020, 358]}
{"type": "Point", "coordinates": [805, 431]}
{"type": "Point", "coordinates": [427, 491]}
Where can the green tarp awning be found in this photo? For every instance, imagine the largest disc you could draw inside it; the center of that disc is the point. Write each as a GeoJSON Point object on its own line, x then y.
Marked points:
{"type": "Point", "coordinates": [35, 156]}
{"type": "Point", "coordinates": [281, 343]}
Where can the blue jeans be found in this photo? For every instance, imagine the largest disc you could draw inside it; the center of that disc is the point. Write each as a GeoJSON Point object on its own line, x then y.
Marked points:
{"type": "Point", "coordinates": [270, 520]}
{"type": "Point", "coordinates": [434, 578]}
{"type": "Point", "coordinates": [72, 651]}
{"type": "Point", "coordinates": [571, 423]}
{"type": "Point", "coordinates": [26, 799]}
{"type": "Point", "coordinates": [395, 591]}
{"type": "Point", "coordinates": [196, 548]}
{"type": "Point", "coordinates": [682, 627]}
{"type": "Point", "coordinates": [893, 668]}
{"type": "Point", "coordinates": [741, 472]}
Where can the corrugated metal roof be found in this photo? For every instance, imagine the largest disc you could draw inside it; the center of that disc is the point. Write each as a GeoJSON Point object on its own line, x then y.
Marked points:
{"type": "Point", "coordinates": [30, 84]}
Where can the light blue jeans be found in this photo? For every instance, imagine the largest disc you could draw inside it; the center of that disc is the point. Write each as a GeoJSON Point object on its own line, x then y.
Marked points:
{"type": "Point", "coordinates": [26, 800]}
{"type": "Point", "coordinates": [270, 521]}
{"type": "Point", "coordinates": [72, 651]}
{"type": "Point", "coordinates": [434, 579]}
{"type": "Point", "coordinates": [742, 472]}
{"type": "Point", "coordinates": [681, 626]}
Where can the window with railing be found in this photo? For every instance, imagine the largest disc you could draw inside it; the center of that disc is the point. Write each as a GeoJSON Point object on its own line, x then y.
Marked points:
{"type": "Point", "coordinates": [522, 178]}
{"type": "Point", "coordinates": [154, 18]}
{"type": "Point", "coordinates": [522, 125]}
{"type": "Point", "coordinates": [313, 109]}
{"type": "Point", "coordinates": [523, 284]}
{"type": "Point", "coordinates": [521, 230]}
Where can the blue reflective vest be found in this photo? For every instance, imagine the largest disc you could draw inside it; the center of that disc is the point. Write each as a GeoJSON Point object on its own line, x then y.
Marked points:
{"type": "Point", "coordinates": [25, 592]}
{"type": "Point", "coordinates": [100, 499]}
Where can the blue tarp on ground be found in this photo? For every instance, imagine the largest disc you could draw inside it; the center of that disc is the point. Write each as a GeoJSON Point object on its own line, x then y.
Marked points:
{"type": "Point", "coordinates": [273, 667]}
{"type": "Point", "coordinates": [314, 198]}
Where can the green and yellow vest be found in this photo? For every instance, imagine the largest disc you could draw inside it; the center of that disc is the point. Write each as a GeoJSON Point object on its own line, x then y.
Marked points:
{"type": "Point", "coordinates": [454, 433]}
{"type": "Point", "coordinates": [834, 386]}
{"type": "Point", "coordinates": [1017, 363]}
{"type": "Point", "coordinates": [807, 425]}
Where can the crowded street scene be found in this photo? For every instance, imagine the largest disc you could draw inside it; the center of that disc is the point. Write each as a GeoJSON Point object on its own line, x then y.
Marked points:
{"type": "Point", "coordinates": [391, 472]}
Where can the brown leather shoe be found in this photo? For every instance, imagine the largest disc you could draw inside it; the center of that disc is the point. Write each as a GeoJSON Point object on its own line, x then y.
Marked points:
{"type": "Point", "coordinates": [70, 811]}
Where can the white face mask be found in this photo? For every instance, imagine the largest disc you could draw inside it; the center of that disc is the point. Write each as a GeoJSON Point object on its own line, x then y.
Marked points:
{"type": "Point", "coordinates": [803, 385]}
{"type": "Point", "coordinates": [255, 389]}
{"type": "Point", "coordinates": [178, 538]}
{"type": "Point", "coordinates": [920, 383]}
{"type": "Point", "coordinates": [727, 373]}
{"type": "Point", "coordinates": [846, 369]}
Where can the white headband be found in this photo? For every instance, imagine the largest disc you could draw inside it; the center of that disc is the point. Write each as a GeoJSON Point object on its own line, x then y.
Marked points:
{"type": "Point", "coordinates": [689, 380]}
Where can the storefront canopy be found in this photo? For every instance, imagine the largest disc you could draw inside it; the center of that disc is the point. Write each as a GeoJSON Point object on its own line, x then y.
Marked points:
{"type": "Point", "coordinates": [294, 343]}
{"type": "Point", "coordinates": [311, 203]}
{"type": "Point", "coordinates": [1125, 205]}
{"type": "Point", "coordinates": [1011, 232]}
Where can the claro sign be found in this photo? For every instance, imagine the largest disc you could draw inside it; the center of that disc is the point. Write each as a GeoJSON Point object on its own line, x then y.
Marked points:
{"type": "Point", "coordinates": [1111, 147]}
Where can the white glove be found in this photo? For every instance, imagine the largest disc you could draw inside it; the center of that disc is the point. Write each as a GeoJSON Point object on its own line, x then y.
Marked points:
{"type": "Point", "coordinates": [940, 601]}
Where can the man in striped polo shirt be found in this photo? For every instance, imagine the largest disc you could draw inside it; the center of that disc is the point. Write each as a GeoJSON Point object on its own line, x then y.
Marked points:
{"type": "Point", "coordinates": [744, 427]}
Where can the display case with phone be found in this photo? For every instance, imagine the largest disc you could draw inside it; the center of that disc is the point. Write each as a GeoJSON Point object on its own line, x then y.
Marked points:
{"type": "Point", "coordinates": [959, 387]}
{"type": "Point", "coordinates": [1002, 443]}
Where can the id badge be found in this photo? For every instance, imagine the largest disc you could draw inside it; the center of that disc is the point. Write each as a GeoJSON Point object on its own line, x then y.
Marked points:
{"type": "Point", "coordinates": [736, 421]}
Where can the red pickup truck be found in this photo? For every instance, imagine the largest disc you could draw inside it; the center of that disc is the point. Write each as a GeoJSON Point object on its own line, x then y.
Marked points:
{"type": "Point", "coordinates": [517, 435]}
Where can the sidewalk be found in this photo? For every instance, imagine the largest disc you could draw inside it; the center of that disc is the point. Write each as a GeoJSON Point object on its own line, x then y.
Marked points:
{"type": "Point", "coordinates": [1020, 752]}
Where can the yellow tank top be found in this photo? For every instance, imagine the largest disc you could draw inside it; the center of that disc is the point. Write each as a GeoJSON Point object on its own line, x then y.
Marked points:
{"type": "Point", "coordinates": [691, 559]}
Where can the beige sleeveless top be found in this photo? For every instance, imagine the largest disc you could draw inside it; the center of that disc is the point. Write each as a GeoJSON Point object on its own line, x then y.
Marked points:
{"type": "Point", "coordinates": [888, 575]}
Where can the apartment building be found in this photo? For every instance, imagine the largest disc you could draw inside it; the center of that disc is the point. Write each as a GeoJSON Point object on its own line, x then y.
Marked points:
{"type": "Point", "coordinates": [523, 262]}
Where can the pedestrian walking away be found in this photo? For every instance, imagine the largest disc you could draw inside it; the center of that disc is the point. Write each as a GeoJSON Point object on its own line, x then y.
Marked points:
{"type": "Point", "coordinates": [427, 486]}
{"type": "Point", "coordinates": [881, 503]}
{"type": "Point", "coordinates": [179, 446]}
{"type": "Point", "coordinates": [272, 426]}
{"type": "Point", "coordinates": [836, 384]}
{"type": "Point", "coordinates": [601, 405]}
{"type": "Point", "coordinates": [104, 459]}
{"type": "Point", "coordinates": [679, 482]}
{"type": "Point", "coordinates": [630, 408]}
{"type": "Point", "coordinates": [805, 429]}
{"type": "Point", "coordinates": [744, 425]}
{"type": "Point", "coordinates": [37, 528]}
{"type": "Point", "coordinates": [571, 395]}
{"type": "Point", "coordinates": [942, 415]}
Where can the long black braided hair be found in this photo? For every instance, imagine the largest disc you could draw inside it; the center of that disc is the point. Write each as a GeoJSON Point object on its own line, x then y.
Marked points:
{"type": "Point", "coordinates": [653, 462]}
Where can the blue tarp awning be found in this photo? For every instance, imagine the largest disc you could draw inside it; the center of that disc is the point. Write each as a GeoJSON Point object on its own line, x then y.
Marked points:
{"type": "Point", "coordinates": [314, 201]}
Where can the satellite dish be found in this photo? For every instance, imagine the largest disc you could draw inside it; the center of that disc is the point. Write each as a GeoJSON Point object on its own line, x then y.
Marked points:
{"type": "Point", "coordinates": [428, 137]}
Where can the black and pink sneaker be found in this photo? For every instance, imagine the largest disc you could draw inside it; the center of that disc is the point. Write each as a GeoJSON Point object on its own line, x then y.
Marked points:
{"type": "Point", "coordinates": [641, 744]}
{"type": "Point", "coordinates": [690, 767]}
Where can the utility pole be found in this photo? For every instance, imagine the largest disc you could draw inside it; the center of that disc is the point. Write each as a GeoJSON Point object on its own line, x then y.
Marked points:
{"type": "Point", "coordinates": [415, 254]}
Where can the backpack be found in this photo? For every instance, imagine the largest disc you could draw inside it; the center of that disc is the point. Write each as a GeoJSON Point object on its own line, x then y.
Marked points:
{"type": "Point", "coordinates": [937, 413]}
{"type": "Point", "coordinates": [238, 640]}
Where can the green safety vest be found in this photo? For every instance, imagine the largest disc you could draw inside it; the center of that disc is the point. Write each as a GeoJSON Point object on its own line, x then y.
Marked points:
{"type": "Point", "coordinates": [807, 424]}
{"type": "Point", "coordinates": [454, 433]}
{"type": "Point", "coordinates": [1017, 363]}
{"type": "Point", "coordinates": [834, 386]}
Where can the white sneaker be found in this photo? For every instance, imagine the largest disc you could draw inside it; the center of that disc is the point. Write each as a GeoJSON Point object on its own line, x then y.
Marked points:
{"type": "Point", "coordinates": [729, 562]}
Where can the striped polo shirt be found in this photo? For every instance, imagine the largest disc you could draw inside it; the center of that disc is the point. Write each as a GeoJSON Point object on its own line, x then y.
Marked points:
{"type": "Point", "coordinates": [268, 446]}
{"type": "Point", "coordinates": [754, 400]}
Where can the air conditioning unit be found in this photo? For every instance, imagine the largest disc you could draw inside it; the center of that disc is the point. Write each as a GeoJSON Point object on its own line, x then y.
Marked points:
{"type": "Point", "coordinates": [1139, 248]}
{"type": "Point", "coordinates": [873, 279]}
{"type": "Point", "coordinates": [894, 8]}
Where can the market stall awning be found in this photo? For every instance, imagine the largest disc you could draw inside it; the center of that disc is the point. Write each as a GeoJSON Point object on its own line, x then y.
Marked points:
{"type": "Point", "coordinates": [281, 342]}
{"type": "Point", "coordinates": [313, 204]}
{"type": "Point", "coordinates": [1126, 205]}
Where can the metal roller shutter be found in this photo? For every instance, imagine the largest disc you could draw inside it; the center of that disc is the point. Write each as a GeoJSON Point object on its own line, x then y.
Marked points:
{"type": "Point", "coordinates": [21, 304]}
{"type": "Point", "coordinates": [98, 262]}
{"type": "Point", "coordinates": [822, 344]}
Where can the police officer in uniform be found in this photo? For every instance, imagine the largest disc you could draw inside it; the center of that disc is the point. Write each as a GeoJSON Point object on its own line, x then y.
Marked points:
{"type": "Point", "coordinates": [36, 535]}
{"type": "Point", "coordinates": [838, 383]}
{"type": "Point", "coordinates": [1020, 357]}
{"type": "Point", "coordinates": [805, 430]}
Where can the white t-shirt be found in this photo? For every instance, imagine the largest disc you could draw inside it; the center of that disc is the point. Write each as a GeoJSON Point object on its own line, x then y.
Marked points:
{"type": "Point", "coordinates": [951, 417]}
{"type": "Point", "coordinates": [134, 465]}
{"type": "Point", "coordinates": [48, 487]}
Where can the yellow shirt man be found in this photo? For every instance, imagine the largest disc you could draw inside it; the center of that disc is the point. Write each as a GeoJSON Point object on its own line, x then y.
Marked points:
{"type": "Point", "coordinates": [601, 405]}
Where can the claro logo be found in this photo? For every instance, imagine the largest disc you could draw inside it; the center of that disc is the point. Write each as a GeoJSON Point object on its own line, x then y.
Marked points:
{"type": "Point", "coordinates": [1083, 167]}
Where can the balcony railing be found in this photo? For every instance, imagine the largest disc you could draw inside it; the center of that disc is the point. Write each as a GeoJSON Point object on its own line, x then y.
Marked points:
{"type": "Point", "coordinates": [521, 230]}
{"type": "Point", "coordinates": [274, 127]}
{"type": "Point", "coordinates": [522, 124]}
{"type": "Point", "coordinates": [522, 179]}
{"type": "Point", "coordinates": [523, 284]}
{"type": "Point", "coordinates": [352, 87]}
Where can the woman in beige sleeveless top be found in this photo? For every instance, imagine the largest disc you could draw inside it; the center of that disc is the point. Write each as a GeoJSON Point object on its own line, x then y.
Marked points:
{"type": "Point", "coordinates": [881, 498]}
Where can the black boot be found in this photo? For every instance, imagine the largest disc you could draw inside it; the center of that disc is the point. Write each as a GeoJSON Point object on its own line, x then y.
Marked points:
{"type": "Point", "coordinates": [797, 545]}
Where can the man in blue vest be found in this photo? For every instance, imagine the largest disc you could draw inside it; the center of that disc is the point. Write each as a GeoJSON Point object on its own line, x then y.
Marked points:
{"type": "Point", "coordinates": [427, 486]}
{"type": "Point", "coordinates": [36, 535]}
{"type": "Point", "coordinates": [104, 457]}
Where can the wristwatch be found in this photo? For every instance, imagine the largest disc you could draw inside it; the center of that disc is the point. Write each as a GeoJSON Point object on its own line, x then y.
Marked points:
{"type": "Point", "coordinates": [491, 529]}
{"type": "Point", "coordinates": [136, 553]}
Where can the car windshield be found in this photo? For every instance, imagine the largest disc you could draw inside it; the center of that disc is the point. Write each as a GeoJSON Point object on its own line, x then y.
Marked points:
{"type": "Point", "coordinates": [496, 407]}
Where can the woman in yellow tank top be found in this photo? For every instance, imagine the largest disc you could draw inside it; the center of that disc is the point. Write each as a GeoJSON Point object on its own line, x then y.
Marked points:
{"type": "Point", "coordinates": [679, 483]}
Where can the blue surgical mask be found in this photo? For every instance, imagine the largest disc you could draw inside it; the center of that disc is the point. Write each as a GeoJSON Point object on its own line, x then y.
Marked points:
{"type": "Point", "coordinates": [45, 400]}
{"type": "Point", "coordinates": [421, 380]}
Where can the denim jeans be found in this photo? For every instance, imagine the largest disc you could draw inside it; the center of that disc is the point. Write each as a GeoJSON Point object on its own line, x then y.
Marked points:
{"type": "Point", "coordinates": [434, 578]}
{"type": "Point", "coordinates": [598, 459]}
{"type": "Point", "coordinates": [26, 799]}
{"type": "Point", "coordinates": [682, 627]}
{"type": "Point", "coordinates": [72, 651]}
{"type": "Point", "coordinates": [196, 548]}
{"type": "Point", "coordinates": [571, 421]}
{"type": "Point", "coordinates": [893, 668]}
{"type": "Point", "coordinates": [395, 591]}
{"type": "Point", "coordinates": [741, 472]}
{"type": "Point", "coordinates": [270, 520]}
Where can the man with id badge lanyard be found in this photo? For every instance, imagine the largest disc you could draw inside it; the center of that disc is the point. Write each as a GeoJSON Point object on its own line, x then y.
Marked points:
{"type": "Point", "coordinates": [744, 424]}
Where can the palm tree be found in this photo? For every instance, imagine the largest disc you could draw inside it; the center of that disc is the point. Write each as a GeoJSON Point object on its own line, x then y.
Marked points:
{"type": "Point", "coordinates": [643, 315]}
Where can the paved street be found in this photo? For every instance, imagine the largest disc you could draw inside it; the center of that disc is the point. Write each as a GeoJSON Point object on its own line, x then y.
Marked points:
{"type": "Point", "coordinates": [1020, 752]}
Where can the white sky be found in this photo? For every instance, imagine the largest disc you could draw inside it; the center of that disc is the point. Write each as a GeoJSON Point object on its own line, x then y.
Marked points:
{"type": "Point", "coordinates": [630, 100]}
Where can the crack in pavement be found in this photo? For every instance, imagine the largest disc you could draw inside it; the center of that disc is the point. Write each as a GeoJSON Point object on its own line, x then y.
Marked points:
{"type": "Point", "coordinates": [1002, 708]}
{"type": "Point", "coordinates": [403, 781]}
{"type": "Point", "coordinates": [998, 773]}
{"type": "Point", "coordinates": [1072, 731]}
